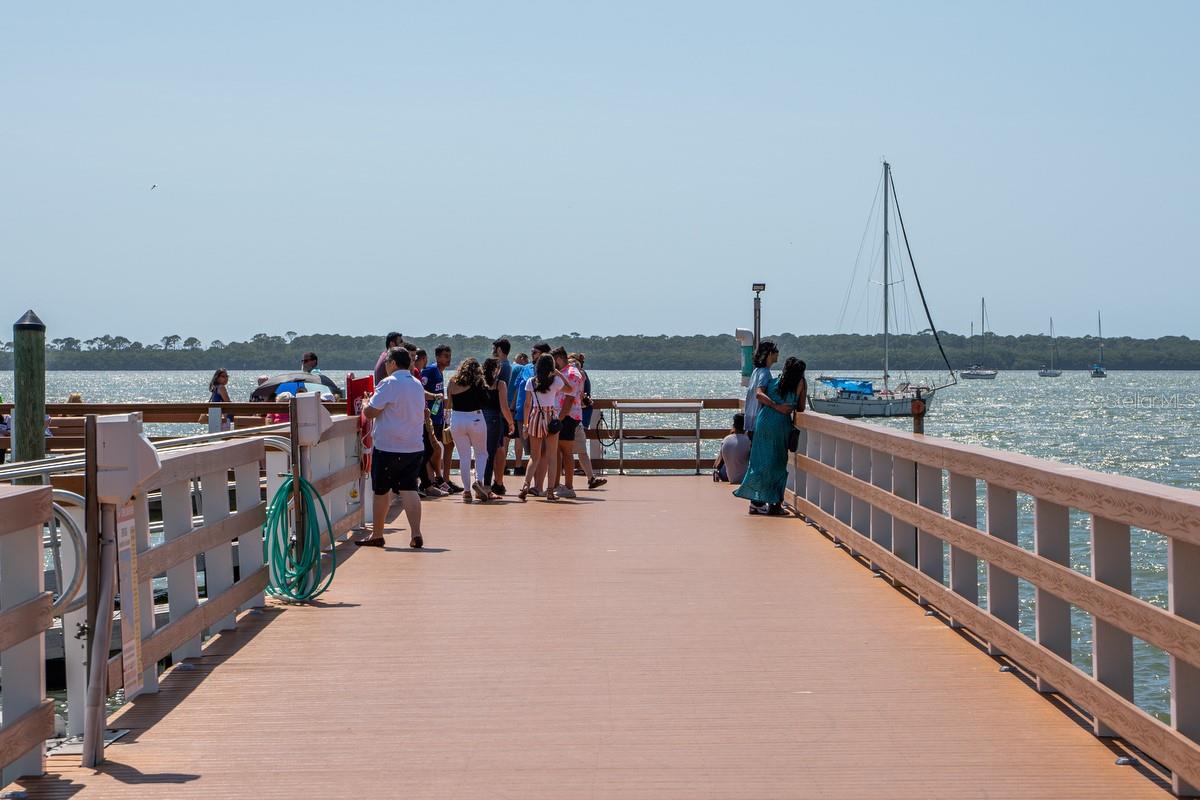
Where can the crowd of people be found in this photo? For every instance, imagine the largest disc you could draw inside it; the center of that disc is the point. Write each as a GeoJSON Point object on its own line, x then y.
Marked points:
{"type": "Point", "coordinates": [540, 403]}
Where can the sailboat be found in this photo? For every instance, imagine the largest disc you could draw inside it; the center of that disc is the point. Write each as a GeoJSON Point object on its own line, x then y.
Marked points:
{"type": "Point", "coordinates": [977, 371]}
{"type": "Point", "coordinates": [861, 397]}
{"type": "Point", "coordinates": [1098, 370]}
{"type": "Point", "coordinates": [1052, 372]}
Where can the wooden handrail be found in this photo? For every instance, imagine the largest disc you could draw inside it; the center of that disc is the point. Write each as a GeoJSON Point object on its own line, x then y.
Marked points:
{"type": "Point", "coordinates": [880, 491]}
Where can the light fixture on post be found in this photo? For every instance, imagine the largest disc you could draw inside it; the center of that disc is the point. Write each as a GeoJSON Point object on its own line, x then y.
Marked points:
{"type": "Point", "coordinates": [758, 289]}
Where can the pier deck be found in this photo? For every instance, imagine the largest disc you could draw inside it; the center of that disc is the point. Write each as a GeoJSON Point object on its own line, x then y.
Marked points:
{"type": "Point", "coordinates": [649, 640]}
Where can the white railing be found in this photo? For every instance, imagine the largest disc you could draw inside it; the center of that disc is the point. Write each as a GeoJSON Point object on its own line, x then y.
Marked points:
{"type": "Point", "coordinates": [884, 494]}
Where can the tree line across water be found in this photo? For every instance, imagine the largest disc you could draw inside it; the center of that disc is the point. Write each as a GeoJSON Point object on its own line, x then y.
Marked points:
{"type": "Point", "coordinates": [840, 351]}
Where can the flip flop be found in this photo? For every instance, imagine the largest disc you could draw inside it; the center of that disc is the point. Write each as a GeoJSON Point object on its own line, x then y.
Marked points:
{"type": "Point", "coordinates": [372, 542]}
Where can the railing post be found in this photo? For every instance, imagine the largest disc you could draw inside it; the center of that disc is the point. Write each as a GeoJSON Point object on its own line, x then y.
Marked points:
{"type": "Point", "coordinates": [1112, 648]}
{"type": "Point", "coordinates": [181, 578]}
{"type": "Point", "coordinates": [29, 383]}
{"type": "Point", "coordinates": [828, 493]}
{"type": "Point", "coordinates": [799, 476]}
{"type": "Point", "coordinates": [74, 627]}
{"type": "Point", "coordinates": [1052, 540]}
{"type": "Point", "coordinates": [904, 534]}
{"type": "Point", "coordinates": [250, 544]}
{"type": "Point", "coordinates": [860, 510]}
{"type": "Point", "coordinates": [1183, 565]}
{"type": "Point", "coordinates": [218, 562]}
{"type": "Point", "coordinates": [930, 558]}
{"type": "Point", "coordinates": [24, 664]}
{"type": "Point", "coordinates": [881, 476]}
{"type": "Point", "coordinates": [841, 461]}
{"type": "Point", "coordinates": [964, 567]}
{"type": "Point", "coordinates": [1003, 599]}
{"type": "Point", "coordinates": [141, 510]}
{"type": "Point", "coordinates": [812, 484]}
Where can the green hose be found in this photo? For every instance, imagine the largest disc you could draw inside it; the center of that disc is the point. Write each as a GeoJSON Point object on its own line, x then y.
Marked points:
{"type": "Point", "coordinates": [297, 574]}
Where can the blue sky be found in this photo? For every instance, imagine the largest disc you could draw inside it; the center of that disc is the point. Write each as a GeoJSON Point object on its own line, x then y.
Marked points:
{"type": "Point", "coordinates": [604, 168]}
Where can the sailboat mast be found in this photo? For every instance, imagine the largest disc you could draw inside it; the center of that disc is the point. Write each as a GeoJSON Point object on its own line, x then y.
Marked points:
{"type": "Point", "coordinates": [887, 169]}
{"type": "Point", "coordinates": [1100, 331]}
{"type": "Point", "coordinates": [982, 326]}
{"type": "Point", "coordinates": [1053, 344]}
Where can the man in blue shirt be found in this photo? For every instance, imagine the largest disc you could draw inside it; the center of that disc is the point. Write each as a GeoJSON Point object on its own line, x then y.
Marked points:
{"type": "Point", "coordinates": [434, 382]}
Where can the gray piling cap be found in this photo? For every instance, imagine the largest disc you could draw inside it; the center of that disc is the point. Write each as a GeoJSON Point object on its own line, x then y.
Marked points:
{"type": "Point", "coordinates": [29, 322]}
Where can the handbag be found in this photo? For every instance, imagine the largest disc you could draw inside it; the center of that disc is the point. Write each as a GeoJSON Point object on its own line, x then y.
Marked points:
{"type": "Point", "coordinates": [793, 440]}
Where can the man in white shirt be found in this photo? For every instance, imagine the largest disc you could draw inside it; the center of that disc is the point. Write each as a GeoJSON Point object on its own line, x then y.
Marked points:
{"type": "Point", "coordinates": [398, 409]}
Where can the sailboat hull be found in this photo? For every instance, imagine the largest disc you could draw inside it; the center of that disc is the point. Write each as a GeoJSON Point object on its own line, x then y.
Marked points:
{"type": "Point", "coordinates": [978, 374]}
{"type": "Point", "coordinates": [867, 406]}
{"type": "Point", "coordinates": [1049, 373]}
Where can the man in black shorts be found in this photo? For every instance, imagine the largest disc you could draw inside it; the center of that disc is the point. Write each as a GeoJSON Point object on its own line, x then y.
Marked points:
{"type": "Point", "coordinates": [398, 409]}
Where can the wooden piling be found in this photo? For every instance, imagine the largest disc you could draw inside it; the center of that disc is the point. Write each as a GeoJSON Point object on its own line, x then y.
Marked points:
{"type": "Point", "coordinates": [29, 402]}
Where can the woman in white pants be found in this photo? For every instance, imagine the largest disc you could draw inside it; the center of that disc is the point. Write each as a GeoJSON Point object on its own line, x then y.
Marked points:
{"type": "Point", "coordinates": [467, 393]}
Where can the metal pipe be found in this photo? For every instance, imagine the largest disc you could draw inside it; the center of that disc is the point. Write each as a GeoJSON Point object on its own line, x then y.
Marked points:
{"type": "Point", "coordinates": [94, 716]}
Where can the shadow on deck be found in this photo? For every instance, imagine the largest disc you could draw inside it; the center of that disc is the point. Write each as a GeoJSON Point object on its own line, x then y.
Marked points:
{"type": "Point", "coordinates": [652, 640]}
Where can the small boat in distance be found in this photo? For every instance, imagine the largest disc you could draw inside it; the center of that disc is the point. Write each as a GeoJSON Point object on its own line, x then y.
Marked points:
{"type": "Point", "coordinates": [1098, 370]}
{"type": "Point", "coordinates": [977, 372]}
{"type": "Point", "coordinates": [1052, 371]}
{"type": "Point", "coordinates": [859, 397]}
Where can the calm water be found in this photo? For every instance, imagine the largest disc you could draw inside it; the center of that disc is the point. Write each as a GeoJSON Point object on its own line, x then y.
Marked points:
{"type": "Point", "coordinates": [1141, 424]}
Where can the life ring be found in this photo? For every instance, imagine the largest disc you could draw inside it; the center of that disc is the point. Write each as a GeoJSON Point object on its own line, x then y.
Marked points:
{"type": "Point", "coordinates": [918, 407]}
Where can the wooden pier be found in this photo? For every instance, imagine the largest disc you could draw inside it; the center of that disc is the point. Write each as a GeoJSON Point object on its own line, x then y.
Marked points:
{"type": "Point", "coordinates": [651, 639]}
{"type": "Point", "coordinates": [648, 640]}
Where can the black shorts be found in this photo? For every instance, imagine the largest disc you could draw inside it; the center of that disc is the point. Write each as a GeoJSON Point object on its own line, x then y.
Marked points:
{"type": "Point", "coordinates": [439, 430]}
{"type": "Point", "coordinates": [395, 472]}
{"type": "Point", "coordinates": [516, 434]}
{"type": "Point", "coordinates": [569, 426]}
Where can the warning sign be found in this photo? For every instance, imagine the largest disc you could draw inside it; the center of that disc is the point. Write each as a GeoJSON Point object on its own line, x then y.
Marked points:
{"type": "Point", "coordinates": [131, 607]}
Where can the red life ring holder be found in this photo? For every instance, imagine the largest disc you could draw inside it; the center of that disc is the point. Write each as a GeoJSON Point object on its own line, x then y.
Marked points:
{"type": "Point", "coordinates": [918, 406]}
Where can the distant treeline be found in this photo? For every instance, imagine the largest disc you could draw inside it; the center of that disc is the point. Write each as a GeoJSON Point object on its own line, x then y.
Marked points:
{"type": "Point", "coordinates": [829, 351]}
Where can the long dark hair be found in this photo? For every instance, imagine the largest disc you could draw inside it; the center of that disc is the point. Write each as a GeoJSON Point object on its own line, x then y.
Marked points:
{"type": "Point", "coordinates": [490, 365]}
{"type": "Point", "coordinates": [791, 377]}
{"type": "Point", "coordinates": [543, 377]}
{"type": "Point", "coordinates": [212, 384]}
{"type": "Point", "coordinates": [765, 348]}
{"type": "Point", "coordinates": [469, 373]}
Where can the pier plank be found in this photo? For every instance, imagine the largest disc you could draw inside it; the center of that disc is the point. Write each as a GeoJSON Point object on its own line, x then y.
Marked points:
{"type": "Point", "coordinates": [650, 640]}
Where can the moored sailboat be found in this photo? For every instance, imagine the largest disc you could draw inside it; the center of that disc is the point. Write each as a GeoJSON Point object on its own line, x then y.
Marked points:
{"type": "Point", "coordinates": [1098, 370]}
{"type": "Point", "coordinates": [977, 371]}
{"type": "Point", "coordinates": [1052, 371]}
{"type": "Point", "coordinates": [860, 397]}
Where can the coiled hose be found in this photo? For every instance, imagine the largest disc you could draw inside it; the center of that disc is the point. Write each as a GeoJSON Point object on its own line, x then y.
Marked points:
{"type": "Point", "coordinates": [297, 574]}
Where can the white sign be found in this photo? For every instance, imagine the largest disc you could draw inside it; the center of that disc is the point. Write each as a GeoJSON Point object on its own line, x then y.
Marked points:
{"type": "Point", "coordinates": [131, 617]}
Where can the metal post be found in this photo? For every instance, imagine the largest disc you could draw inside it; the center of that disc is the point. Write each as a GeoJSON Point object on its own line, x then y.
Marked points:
{"type": "Point", "coordinates": [29, 384]}
{"type": "Point", "coordinates": [94, 716]}
{"type": "Point", "coordinates": [297, 475]}
{"type": "Point", "coordinates": [757, 319]}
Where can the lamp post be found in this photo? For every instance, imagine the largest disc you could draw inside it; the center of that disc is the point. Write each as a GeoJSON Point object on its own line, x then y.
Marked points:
{"type": "Point", "coordinates": [758, 289]}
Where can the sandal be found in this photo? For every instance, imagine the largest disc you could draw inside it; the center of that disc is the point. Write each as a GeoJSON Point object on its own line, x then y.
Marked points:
{"type": "Point", "coordinates": [594, 482]}
{"type": "Point", "coordinates": [551, 496]}
{"type": "Point", "coordinates": [521, 495]}
{"type": "Point", "coordinates": [416, 543]}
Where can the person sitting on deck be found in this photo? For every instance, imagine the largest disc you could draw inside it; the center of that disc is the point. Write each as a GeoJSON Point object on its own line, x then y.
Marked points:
{"type": "Point", "coordinates": [398, 409]}
{"type": "Point", "coordinates": [767, 475]}
{"type": "Point", "coordinates": [735, 453]}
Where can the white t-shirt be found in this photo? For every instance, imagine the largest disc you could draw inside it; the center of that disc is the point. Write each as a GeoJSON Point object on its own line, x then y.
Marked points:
{"type": "Point", "coordinates": [399, 429]}
{"type": "Point", "coordinates": [548, 399]}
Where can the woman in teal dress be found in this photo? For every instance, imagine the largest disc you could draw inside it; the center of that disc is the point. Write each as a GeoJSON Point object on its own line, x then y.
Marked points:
{"type": "Point", "coordinates": [767, 473]}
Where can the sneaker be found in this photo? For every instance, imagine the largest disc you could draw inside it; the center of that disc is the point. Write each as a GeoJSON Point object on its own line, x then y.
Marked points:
{"type": "Point", "coordinates": [435, 491]}
{"type": "Point", "coordinates": [498, 488]}
{"type": "Point", "coordinates": [421, 493]}
{"type": "Point", "coordinates": [563, 491]}
{"type": "Point", "coordinates": [453, 488]}
{"type": "Point", "coordinates": [467, 497]}
{"type": "Point", "coordinates": [579, 471]}
{"type": "Point", "coordinates": [445, 487]}
{"type": "Point", "coordinates": [774, 510]}
{"type": "Point", "coordinates": [594, 482]}
{"type": "Point", "coordinates": [758, 509]}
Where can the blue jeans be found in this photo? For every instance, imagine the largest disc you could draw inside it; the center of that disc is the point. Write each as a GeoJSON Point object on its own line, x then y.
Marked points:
{"type": "Point", "coordinates": [497, 429]}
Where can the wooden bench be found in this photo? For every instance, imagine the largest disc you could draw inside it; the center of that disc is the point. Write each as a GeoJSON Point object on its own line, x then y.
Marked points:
{"type": "Point", "coordinates": [66, 435]}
